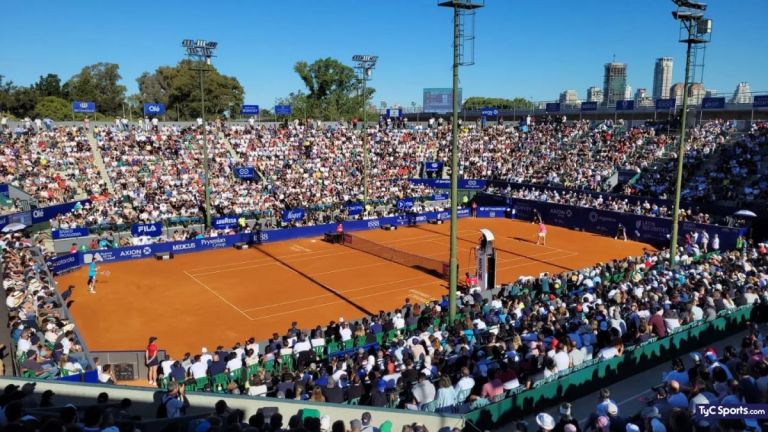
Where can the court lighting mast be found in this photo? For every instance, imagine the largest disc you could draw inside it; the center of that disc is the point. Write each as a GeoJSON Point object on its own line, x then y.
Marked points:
{"type": "Point", "coordinates": [201, 51]}
{"type": "Point", "coordinates": [463, 16]}
{"type": "Point", "coordinates": [694, 30]}
{"type": "Point", "coordinates": [365, 64]}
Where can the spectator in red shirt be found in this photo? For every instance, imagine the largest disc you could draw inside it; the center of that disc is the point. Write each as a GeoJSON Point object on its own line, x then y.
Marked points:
{"type": "Point", "coordinates": [657, 322]}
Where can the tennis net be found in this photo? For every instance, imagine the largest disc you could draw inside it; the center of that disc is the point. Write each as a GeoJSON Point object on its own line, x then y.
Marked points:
{"type": "Point", "coordinates": [432, 266]}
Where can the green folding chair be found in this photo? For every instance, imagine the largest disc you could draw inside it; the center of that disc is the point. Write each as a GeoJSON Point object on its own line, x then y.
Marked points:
{"type": "Point", "coordinates": [309, 413]}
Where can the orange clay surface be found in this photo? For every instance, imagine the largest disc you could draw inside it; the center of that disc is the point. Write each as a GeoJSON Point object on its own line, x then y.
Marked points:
{"type": "Point", "coordinates": [221, 297]}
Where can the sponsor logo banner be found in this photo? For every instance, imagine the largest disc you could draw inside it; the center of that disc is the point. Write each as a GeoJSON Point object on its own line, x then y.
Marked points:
{"type": "Point", "coordinates": [294, 214]}
{"type": "Point", "coordinates": [224, 222]}
{"type": "Point", "coordinates": [69, 233]}
{"type": "Point", "coordinates": [150, 230]}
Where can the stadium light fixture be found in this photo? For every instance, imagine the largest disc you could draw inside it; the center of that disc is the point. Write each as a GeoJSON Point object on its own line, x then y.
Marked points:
{"type": "Point", "coordinates": [201, 51]}
{"type": "Point", "coordinates": [459, 7]}
{"type": "Point", "coordinates": [365, 64]}
{"type": "Point", "coordinates": [694, 30]}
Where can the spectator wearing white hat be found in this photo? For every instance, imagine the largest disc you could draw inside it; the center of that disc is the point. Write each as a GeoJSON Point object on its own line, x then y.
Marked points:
{"type": "Point", "coordinates": [546, 422]}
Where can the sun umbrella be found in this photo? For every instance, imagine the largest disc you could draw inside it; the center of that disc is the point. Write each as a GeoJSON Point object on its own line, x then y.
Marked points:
{"type": "Point", "coordinates": [13, 227]}
{"type": "Point", "coordinates": [745, 213]}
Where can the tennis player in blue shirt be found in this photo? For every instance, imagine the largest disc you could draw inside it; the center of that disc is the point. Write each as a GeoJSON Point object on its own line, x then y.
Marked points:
{"type": "Point", "coordinates": [92, 269]}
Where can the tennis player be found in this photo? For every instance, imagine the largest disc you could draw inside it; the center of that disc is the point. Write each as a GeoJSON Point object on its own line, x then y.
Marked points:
{"type": "Point", "coordinates": [542, 237]}
{"type": "Point", "coordinates": [92, 270]}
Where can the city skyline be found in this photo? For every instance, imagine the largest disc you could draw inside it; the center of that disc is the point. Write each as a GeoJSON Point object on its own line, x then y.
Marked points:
{"type": "Point", "coordinates": [260, 43]}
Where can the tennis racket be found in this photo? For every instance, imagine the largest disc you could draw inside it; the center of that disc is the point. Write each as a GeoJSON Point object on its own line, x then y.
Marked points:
{"type": "Point", "coordinates": [105, 273]}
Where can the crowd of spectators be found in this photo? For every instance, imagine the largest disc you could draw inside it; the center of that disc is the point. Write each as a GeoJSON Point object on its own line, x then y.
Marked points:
{"type": "Point", "coordinates": [26, 409]}
{"type": "Point", "coordinates": [52, 166]}
{"type": "Point", "coordinates": [533, 329]}
{"type": "Point", "coordinates": [603, 202]}
{"type": "Point", "coordinates": [736, 376]}
{"type": "Point", "coordinates": [45, 343]}
{"type": "Point", "coordinates": [158, 171]}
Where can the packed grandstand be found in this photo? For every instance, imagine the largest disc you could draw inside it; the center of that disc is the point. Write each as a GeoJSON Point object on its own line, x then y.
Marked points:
{"type": "Point", "coordinates": [531, 331]}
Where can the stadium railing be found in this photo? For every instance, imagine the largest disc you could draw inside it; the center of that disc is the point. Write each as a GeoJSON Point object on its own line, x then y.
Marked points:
{"type": "Point", "coordinates": [145, 402]}
{"type": "Point", "coordinates": [592, 376]}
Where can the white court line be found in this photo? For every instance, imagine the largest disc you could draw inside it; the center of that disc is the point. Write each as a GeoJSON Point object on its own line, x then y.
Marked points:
{"type": "Point", "coordinates": [333, 303]}
{"type": "Point", "coordinates": [268, 258]}
{"type": "Point", "coordinates": [217, 295]}
{"type": "Point", "coordinates": [273, 261]}
{"type": "Point", "coordinates": [331, 295]}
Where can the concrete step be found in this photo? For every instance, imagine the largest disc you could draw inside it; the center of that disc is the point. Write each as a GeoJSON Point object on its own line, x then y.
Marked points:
{"type": "Point", "coordinates": [99, 162]}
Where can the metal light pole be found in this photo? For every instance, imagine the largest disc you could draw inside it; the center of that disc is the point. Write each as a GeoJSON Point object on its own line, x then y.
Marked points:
{"type": "Point", "coordinates": [459, 7]}
{"type": "Point", "coordinates": [365, 64]}
{"type": "Point", "coordinates": [694, 29]}
{"type": "Point", "coordinates": [202, 51]}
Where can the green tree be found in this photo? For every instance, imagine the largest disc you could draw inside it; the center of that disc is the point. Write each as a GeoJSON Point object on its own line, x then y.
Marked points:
{"type": "Point", "coordinates": [22, 102]}
{"type": "Point", "coordinates": [53, 107]}
{"type": "Point", "coordinates": [479, 102]}
{"type": "Point", "coordinates": [49, 85]}
{"type": "Point", "coordinates": [99, 83]}
{"type": "Point", "coordinates": [178, 87]}
{"type": "Point", "coordinates": [333, 90]}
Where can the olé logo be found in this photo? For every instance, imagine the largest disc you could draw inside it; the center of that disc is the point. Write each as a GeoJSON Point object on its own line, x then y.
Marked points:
{"type": "Point", "coordinates": [153, 108]}
{"type": "Point", "coordinates": [38, 213]}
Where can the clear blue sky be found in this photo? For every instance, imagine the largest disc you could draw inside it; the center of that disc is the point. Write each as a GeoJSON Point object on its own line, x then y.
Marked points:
{"type": "Point", "coordinates": [523, 48]}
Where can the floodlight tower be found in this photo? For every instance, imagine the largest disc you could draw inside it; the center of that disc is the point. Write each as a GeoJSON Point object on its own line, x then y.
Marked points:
{"type": "Point", "coordinates": [202, 51]}
{"type": "Point", "coordinates": [365, 64]}
{"type": "Point", "coordinates": [695, 30]}
{"type": "Point", "coordinates": [463, 16]}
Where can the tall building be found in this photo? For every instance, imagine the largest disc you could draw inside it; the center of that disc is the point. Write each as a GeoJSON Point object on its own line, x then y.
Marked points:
{"type": "Point", "coordinates": [643, 98]}
{"type": "Point", "coordinates": [743, 94]}
{"type": "Point", "coordinates": [614, 83]}
{"type": "Point", "coordinates": [662, 78]}
{"type": "Point", "coordinates": [569, 97]}
{"type": "Point", "coordinates": [628, 92]}
{"type": "Point", "coordinates": [595, 94]}
{"type": "Point", "coordinates": [696, 93]}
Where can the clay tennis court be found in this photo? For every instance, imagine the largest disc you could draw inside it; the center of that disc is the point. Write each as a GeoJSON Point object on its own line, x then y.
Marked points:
{"type": "Point", "coordinates": [224, 296]}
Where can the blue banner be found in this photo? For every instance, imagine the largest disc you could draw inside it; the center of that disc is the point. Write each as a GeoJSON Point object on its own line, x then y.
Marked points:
{"type": "Point", "coordinates": [641, 228]}
{"type": "Point", "coordinates": [713, 103]}
{"type": "Point", "coordinates": [20, 217]}
{"type": "Point", "coordinates": [64, 263]}
{"type": "Point", "coordinates": [354, 209]}
{"type": "Point", "coordinates": [553, 107]}
{"type": "Point", "coordinates": [4, 190]}
{"type": "Point", "coordinates": [440, 196]}
{"type": "Point", "coordinates": [245, 173]}
{"type": "Point", "coordinates": [224, 222]}
{"type": "Point", "coordinates": [760, 101]}
{"type": "Point", "coordinates": [433, 166]}
{"type": "Point", "coordinates": [282, 110]}
{"type": "Point", "coordinates": [154, 109]}
{"type": "Point", "coordinates": [471, 184]}
{"type": "Point", "coordinates": [69, 233]}
{"type": "Point", "coordinates": [249, 110]}
{"type": "Point", "coordinates": [83, 107]}
{"type": "Point", "coordinates": [394, 112]}
{"type": "Point", "coordinates": [625, 105]}
{"type": "Point", "coordinates": [489, 112]}
{"type": "Point", "coordinates": [492, 212]}
{"type": "Point", "coordinates": [665, 104]}
{"type": "Point", "coordinates": [45, 214]}
{"type": "Point", "coordinates": [589, 106]}
{"type": "Point", "coordinates": [293, 214]}
{"type": "Point", "coordinates": [405, 203]}
{"type": "Point", "coordinates": [150, 229]}
{"type": "Point", "coordinates": [73, 261]}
